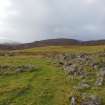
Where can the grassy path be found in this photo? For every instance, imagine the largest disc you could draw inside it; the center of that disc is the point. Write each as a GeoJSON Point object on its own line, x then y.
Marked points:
{"type": "Point", "coordinates": [46, 86]}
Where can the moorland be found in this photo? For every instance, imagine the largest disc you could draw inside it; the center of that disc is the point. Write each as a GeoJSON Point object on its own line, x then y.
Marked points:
{"type": "Point", "coordinates": [53, 75]}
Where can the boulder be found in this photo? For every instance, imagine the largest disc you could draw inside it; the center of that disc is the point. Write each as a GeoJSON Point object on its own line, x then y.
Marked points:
{"type": "Point", "coordinates": [100, 81]}
{"type": "Point", "coordinates": [83, 85]}
{"type": "Point", "coordinates": [25, 68]}
{"type": "Point", "coordinates": [74, 70]}
{"type": "Point", "coordinates": [91, 100]}
{"type": "Point", "coordinates": [100, 77]}
{"type": "Point", "coordinates": [12, 69]}
{"type": "Point", "coordinates": [73, 100]}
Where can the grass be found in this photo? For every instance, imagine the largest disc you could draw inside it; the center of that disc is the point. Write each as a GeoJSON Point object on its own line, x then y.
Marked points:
{"type": "Point", "coordinates": [49, 85]}
{"type": "Point", "coordinates": [61, 49]}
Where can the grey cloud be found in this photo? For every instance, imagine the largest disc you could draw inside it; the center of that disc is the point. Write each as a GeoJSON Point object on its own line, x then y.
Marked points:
{"type": "Point", "coordinates": [30, 20]}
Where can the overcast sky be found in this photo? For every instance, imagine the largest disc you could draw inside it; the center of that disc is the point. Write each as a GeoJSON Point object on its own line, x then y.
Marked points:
{"type": "Point", "coordinates": [29, 20]}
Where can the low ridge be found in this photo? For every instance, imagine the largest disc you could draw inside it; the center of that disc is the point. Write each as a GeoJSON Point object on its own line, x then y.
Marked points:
{"type": "Point", "coordinates": [51, 42]}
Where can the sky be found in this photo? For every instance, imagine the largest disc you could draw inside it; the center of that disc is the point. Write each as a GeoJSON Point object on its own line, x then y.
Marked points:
{"type": "Point", "coordinates": [31, 20]}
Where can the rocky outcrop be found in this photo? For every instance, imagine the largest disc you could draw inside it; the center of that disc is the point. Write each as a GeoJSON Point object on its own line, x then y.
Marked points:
{"type": "Point", "coordinates": [91, 100]}
{"type": "Point", "coordinates": [88, 72]}
{"type": "Point", "coordinates": [86, 99]}
{"type": "Point", "coordinates": [12, 69]}
{"type": "Point", "coordinates": [73, 100]}
{"type": "Point", "coordinates": [101, 77]}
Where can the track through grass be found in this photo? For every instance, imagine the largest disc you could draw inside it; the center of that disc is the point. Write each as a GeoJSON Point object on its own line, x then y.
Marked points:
{"type": "Point", "coordinates": [46, 86]}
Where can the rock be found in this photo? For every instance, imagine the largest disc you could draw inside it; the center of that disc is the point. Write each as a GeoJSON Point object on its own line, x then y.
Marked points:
{"type": "Point", "coordinates": [100, 81]}
{"type": "Point", "coordinates": [25, 68]}
{"type": "Point", "coordinates": [101, 54]}
{"type": "Point", "coordinates": [101, 77]}
{"type": "Point", "coordinates": [86, 99]}
{"type": "Point", "coordinates": [95, 65]}
{"type": "Point", "coordinates": [12, 69]}
{"type": "Point", "coordinates": [65, 58]}
{"type": "Point", "coordinates": [74, 70]}
{"type": "Point", "coordinates": [83, 56]}
{"type": "Point", "coordinates": [101, 72]}
{"type": "Point", "coordinates": [83, 85]}
{"type": "Point", "coordinates": [61, 59]}
{"type": "Point", "coordinates": [73, 100]}
{"type": "Point", "coordinates": [91, 100]}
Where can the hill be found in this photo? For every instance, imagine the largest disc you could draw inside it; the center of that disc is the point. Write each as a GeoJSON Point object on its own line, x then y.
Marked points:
{"type": "Point", "coordinates": [50, 42]}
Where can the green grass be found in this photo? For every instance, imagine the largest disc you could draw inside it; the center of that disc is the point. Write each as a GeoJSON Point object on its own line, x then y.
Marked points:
{"type": "Point", "coordinates": [48, 85]}
{"type": "Point", "coordinates": [61, 49]}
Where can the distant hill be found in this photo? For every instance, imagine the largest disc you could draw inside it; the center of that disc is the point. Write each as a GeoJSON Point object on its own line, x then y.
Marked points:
{"type": "Point", "coordinates": [53, 42]}
{"type": "Point", "coordinates": [94, 42]}
{"type": "Point", "coordinates": [50, 42]}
